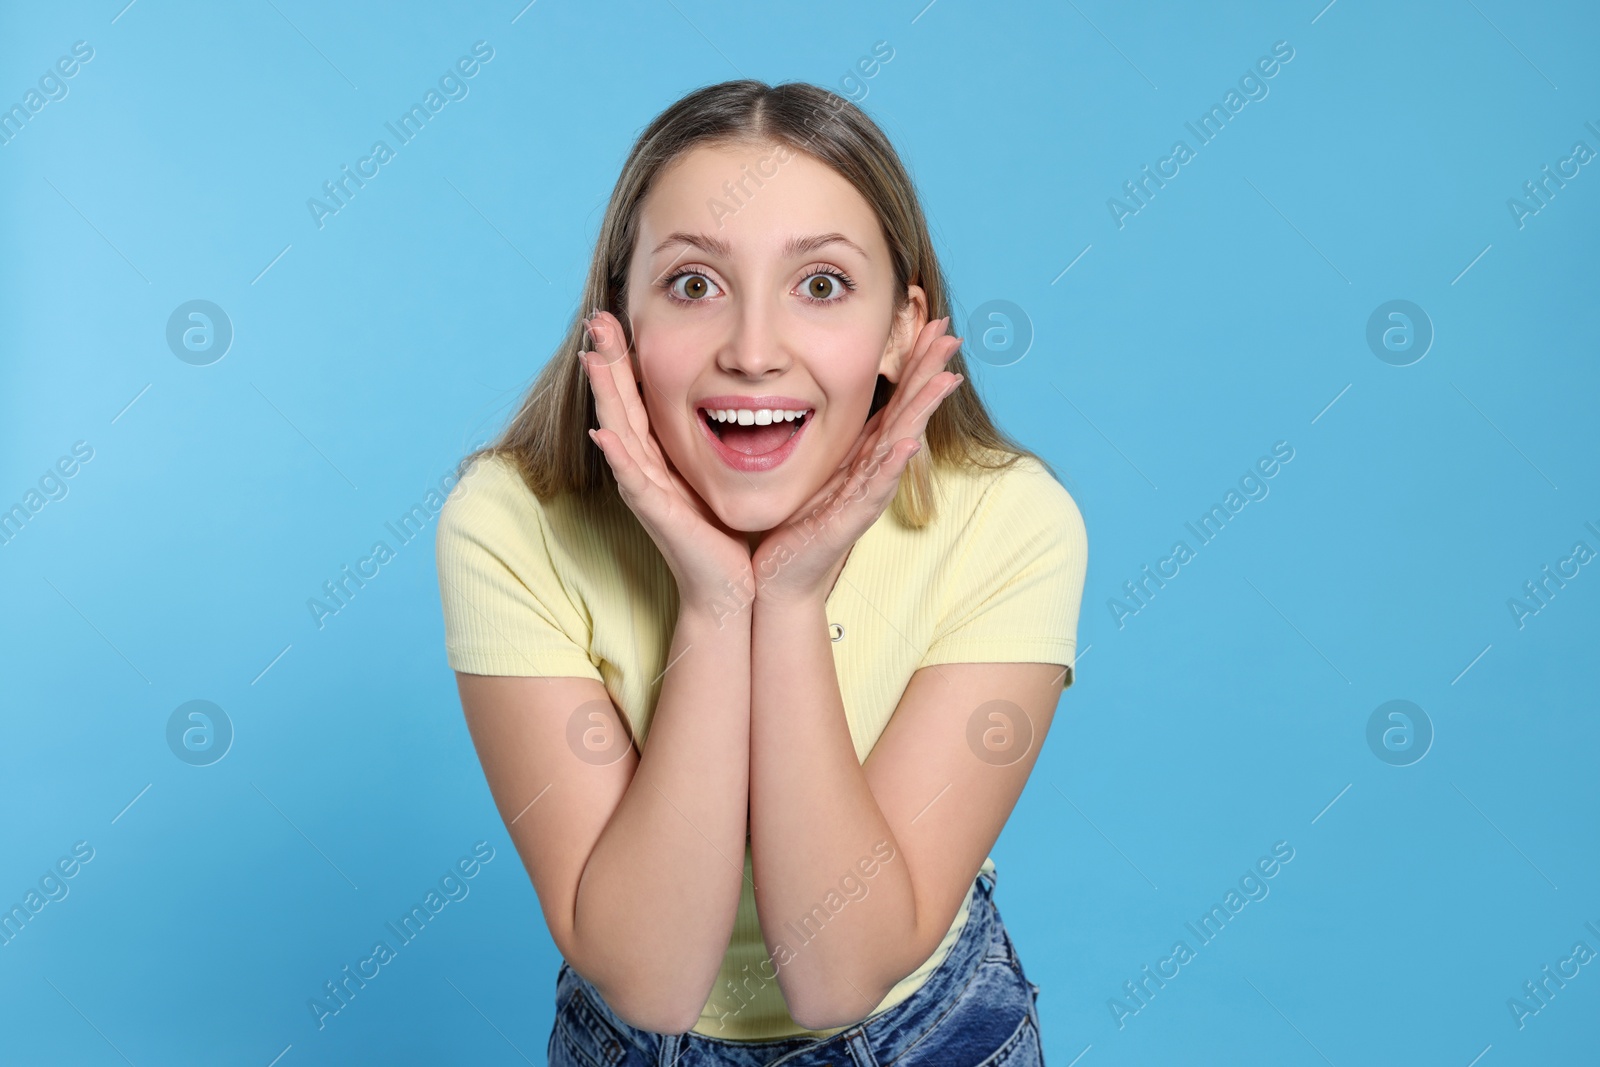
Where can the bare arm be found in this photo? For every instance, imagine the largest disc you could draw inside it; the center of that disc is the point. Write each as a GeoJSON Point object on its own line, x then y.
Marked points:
{"type": "Point", "coordinates": [920, 814]}
{"type": "Point", "coordinates": [812, 817]}
{"type": "Point", "coordinates": [638, 863]}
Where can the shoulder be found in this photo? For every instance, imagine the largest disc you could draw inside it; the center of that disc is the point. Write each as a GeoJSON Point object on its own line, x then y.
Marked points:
{"type": "Point", "coordinates": [490, 512]}
{"type": "Point", "coordinates": [492, 503]}
{"type": "Point", "coordinates": [489, 486]}
{"type": "Point", "coordinates": [511, 598]}
{"type": "Point", "coordinates": [491, 509]}
{"type": "Point", "coordinates": [1019, 497]}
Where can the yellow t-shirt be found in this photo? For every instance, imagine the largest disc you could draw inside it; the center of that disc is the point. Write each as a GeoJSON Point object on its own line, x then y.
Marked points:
{"type": "Point", "coordinates": [578, 588]}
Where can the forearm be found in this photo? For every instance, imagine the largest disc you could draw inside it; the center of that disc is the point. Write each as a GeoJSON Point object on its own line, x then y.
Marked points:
{"type": "Point", "coordinates": [813, 819]}
{"type": "Point", "coordinates": [658, 897]}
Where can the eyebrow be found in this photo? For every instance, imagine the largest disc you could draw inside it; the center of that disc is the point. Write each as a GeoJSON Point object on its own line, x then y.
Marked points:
{"type": "Point", "coordinates": [794, 246]}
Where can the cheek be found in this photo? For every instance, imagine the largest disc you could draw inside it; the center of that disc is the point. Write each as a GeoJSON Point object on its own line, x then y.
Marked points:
{"type": "Point", "coordinates": [663, 365]}
{"type": "Point", "coordinates": [853, 379]}
{"type": "Point", "coordinates": [842, 346]}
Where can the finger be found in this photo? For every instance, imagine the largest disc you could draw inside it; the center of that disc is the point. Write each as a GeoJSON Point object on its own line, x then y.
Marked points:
{"type": "Point", "coordinates": [842, 471]}
{"type": "Point", "coordinates": [621, 452]}
{"type": "Point", "coordinates": [821, 496]}
{"type": "Point", "coordinates": [607, 402]}
{"type": "Point", "coordinates": [914, 423]}
{"type": "Point", "coordinates": [868, 434]}
{"type": "Point", "coordinates": [628, 447]}
{"type": "Point", "coordinates": [611, 346]}
{"type": "Point", "coordinates": [925, 391]}
{"type": "Point", "coordinates": [871, 439]}
{"type": "Point", "coordinates": [617, 400]}
{"type": "Point", "coordinates": [869, 429]}
{"type": "Point", "coordinates": [931, 361]}
{"type": "Point", "coordinates": [631, 477]}
{"type": "Point", "coordinates": [931, 351]}
{"type": "Point", "coordinates": [840, 474]}
{"type": "Point", "coordinates": [689, 493]}
{"type": "Point", "coordinates": [876, 477]}
{"type": "Point", "coordinates": [854, 497]}
{"type": "Point", "coordinates": [636, 447]}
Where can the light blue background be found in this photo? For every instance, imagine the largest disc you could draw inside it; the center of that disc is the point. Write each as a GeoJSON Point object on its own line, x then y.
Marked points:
{"type": "Point", "coordinates": [1228, 314]}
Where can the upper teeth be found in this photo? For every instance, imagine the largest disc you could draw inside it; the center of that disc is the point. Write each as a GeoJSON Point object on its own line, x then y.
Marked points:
{"type": "Point", "coordinates": [754, 416]}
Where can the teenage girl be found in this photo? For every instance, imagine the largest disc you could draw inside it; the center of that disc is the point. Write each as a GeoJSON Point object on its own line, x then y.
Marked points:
{"type": "Point", "coordinates": [759, 622]}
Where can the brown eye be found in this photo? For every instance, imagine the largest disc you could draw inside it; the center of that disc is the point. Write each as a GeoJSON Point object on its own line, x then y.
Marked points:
{"type": "Point", "coordinates": [688, 287]}
{"type": "Point", "coordinates": [826, 286]}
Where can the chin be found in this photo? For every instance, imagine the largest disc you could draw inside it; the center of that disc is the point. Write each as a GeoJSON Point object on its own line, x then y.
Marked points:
{"type": "Point", "coordinates": [756, 516]}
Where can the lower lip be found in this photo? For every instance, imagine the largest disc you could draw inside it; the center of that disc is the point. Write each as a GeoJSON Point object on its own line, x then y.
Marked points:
{"type": "Point", "coordinates": [741, 462]}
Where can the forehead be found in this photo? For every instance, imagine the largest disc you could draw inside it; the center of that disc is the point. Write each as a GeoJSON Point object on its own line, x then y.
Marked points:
{"type": "Point", "coordinates": [713, 189]}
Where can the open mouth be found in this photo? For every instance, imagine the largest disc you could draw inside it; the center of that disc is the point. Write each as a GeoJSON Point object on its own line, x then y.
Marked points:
{"type": "Point", "coordinates": [754, 437]}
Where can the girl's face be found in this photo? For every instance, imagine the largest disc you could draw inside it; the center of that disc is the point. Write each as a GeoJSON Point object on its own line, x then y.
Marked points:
{"type": "Point", "coordinates": [761, 285]}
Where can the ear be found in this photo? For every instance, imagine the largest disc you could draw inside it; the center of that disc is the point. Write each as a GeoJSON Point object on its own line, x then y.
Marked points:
{"type": "Point", "coordinates": [908, 323]}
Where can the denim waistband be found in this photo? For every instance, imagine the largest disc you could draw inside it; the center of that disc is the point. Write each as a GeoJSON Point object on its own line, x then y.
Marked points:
{"type": "Point", "coordinates": [887, 1034]}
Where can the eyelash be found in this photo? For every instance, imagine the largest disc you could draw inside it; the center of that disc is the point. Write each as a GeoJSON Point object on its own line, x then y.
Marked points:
{"type": "Point", "coordinates": [844, 279]}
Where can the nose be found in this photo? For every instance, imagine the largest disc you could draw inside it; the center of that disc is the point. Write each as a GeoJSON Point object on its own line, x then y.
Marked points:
{"type": "Point", "coordinates": [755, 347]}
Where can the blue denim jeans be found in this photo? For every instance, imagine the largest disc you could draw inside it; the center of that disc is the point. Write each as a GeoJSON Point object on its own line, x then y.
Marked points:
{"type": "Point", "coordinates": [975, 1010]}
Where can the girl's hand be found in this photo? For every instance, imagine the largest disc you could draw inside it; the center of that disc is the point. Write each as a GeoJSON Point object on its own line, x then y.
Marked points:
{"type": "Point", "coordinates": [702, 557]}
{"type": "Point", "coordinates": [803, 557]}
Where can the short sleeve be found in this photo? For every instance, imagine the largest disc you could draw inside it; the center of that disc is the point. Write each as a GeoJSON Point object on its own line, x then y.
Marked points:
{"type": "Point", "coordinates": [506, 610]}
{"type": "Point", "coordinates": [1018, 586]}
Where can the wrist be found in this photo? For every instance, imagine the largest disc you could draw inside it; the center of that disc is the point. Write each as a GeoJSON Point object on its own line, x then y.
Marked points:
{"type": "Point", "coordinates": [777, 583]}
{"type": "Point", "coordinates": [790, 603]}
{"type": "Point", "coordinates": [730, 605]}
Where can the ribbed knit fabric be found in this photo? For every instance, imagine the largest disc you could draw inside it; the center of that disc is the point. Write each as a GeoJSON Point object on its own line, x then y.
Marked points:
{"type": "Point", "coordinates": [577, 588]}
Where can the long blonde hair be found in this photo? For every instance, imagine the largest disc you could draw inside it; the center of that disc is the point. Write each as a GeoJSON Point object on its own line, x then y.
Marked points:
{"type": "Point", "coordinates": [548, 439]}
